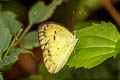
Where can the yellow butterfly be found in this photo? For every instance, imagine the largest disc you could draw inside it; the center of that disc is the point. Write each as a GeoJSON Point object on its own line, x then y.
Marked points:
{"type": "Point", "coordinates": [57, 44]}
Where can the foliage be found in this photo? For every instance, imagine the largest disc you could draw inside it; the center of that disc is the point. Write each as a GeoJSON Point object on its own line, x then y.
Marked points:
{"type": "Point", "coordinates": [5, 38]}
{"type": "Point", "coordinates": [10, 27]}
{"type": "Point", "coordinates": [30, 40]}
{"type": "Point", "coordinates": [40, 12]}
{"type": "Point", "coordinates": [1, 77]}
{"type": "Point", "coordinates": [7, 19]}
{"type": "Point", "coordinates": [12, 57]}
{"type": "Point", "coordinates": [96, 43]}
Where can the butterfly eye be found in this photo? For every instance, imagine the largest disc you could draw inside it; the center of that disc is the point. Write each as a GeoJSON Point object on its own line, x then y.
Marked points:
{"type": "Point", "coordinates": [73, 32]}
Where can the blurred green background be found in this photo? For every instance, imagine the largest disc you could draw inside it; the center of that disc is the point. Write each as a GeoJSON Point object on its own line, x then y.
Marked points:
{"type": "Point", "coordinates": [86, 12]}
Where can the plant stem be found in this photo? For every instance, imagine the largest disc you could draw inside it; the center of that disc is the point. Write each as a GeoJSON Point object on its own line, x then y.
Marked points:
{"type": "Point", "coordinates": [12, 43]}
{"type": "Point", "coordinates": [24, 33]}
{"type": "Point", "coordinates": [111, 10]}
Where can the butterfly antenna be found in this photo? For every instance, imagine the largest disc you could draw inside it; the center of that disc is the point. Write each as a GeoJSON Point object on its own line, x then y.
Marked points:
{"type": "Point", "coordinates": [77, 15]}
{"type": "Point", "coordinates": [73, 17]}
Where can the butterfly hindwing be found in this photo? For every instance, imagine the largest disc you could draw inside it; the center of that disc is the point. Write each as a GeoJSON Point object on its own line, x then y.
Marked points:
{"type": "Point", "coordinates": [57, 44]}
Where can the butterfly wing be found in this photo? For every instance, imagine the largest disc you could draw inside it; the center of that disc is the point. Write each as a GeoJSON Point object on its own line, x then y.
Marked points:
{"type": "Point", "coordinates": [57, 44]}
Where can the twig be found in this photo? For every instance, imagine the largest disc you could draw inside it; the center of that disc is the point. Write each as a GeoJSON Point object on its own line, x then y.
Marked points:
{"type": "Point", "coordinates": [24, 33]}
{"type": "Point", "coordinates": [111, 10]}
{"type": "Point", "coordinates": [12, 43]}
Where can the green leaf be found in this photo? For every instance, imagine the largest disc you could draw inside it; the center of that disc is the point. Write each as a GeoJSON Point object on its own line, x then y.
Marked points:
{"type": "Point", "coordinates": [5, 38]}
{"type": "Point", "coordinates": [41, 12]}
{"type": "Point", "coordinates": [6, 67]}
{"type": "Point", "coordinates": [117, 50]}
{"type": "Point", "coordinates": [7, 19]}
{"type": "Point", "coordinates": [12, 57]}
{"type": "Point", "coordinates": [96, 44]}
{"type": "Point", "coordinates": [30, 40]}
{"type": "Point", "coordinates": [1, 77]}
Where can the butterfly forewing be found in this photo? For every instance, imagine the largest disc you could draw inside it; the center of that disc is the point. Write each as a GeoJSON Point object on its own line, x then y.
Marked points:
{"type": "Point", "coordinates": [57, 44]}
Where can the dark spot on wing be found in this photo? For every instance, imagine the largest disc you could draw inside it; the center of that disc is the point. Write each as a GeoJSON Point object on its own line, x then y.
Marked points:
{"type": "Point", "coordinates": [47, 25]}
{"type": "Point", "coordinates": [55, 32]}
{"type": "Point", "coordinates": [54, 37]}
{"type": "Point", "coordinates": [48, 50]}
{"type": "Point", "coordinates": [45, 44]}
{"type": "Point", "coordinates": [49, 53]}
{"type": "Point", "coordinates": [44, 33]}
{"type": "Point", "coordinates": [50, 60]}
{"type": "Point", "coordinates": [54, 63]}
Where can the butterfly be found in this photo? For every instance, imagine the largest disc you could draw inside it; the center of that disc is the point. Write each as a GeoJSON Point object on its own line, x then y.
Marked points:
{"type": "Point", "coordinates": [57, 44]}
